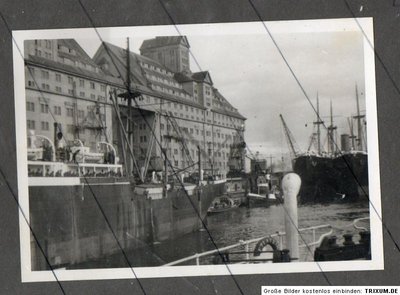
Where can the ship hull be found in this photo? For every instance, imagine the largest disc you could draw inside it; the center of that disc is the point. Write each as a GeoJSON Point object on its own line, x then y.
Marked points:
{"type": "Point", "coordinates": [353, 180]}
{"type": "Point", "coordinates": [340, 179]}
{"type": "Point", "coordinates": [78, 223]}
{"type": "Point", "coordinates": [319, 179]}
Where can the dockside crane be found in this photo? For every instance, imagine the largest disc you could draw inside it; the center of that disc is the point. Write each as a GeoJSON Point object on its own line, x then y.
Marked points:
{"type": "Point", "coordinates": [294, 150]}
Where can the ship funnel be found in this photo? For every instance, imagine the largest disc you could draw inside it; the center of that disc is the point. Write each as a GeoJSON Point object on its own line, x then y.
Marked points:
{"type": "Point", "coordinates": [345, 142]}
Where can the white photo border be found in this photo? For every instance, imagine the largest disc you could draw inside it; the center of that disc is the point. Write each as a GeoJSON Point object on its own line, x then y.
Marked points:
{"type": "Point", "coordinates": [320, 25]}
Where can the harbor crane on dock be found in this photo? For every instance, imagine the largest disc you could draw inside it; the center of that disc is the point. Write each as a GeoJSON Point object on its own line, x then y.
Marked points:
{"type": "Point", "coordinates": [294, 150]}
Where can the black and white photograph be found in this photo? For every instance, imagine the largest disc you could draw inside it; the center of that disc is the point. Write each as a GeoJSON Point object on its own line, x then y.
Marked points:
{"type": "Point", "coordinates": [204, 149]}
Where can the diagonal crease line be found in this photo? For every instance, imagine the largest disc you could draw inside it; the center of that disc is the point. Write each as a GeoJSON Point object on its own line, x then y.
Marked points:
{"type": "Point", "coordinates": [96, 200]}
{"type": "Point", "coordinates": [290, 218]}
{"type": "Point", "coordinates": [163, 151]}
{"type": "Point", "coordinates": [199, 67]}
{"type": "Point", "coordinates": [385, 68]}
{"type": "Point", "coordinates": [175, 173]}
{"type": "Point", "coordinates": [365, 194]}
{"type": "Point", "coordinates": [305, 94]}
{"type": "Point", "coordinates": [15, 197]}
{"type": "Point", "coordinates": [205, 226]}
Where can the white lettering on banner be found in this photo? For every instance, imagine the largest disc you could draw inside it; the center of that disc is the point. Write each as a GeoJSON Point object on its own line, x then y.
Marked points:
{"type": "Point", "coordinates": [307, 290]}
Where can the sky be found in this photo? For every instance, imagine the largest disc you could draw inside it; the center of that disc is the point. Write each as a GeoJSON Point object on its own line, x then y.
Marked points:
{"type": "Point", "coordinates": [249, 71]}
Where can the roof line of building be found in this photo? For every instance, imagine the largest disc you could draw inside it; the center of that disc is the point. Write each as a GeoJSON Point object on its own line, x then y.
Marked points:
{"type": "Point", "coordinates": [144, 92]}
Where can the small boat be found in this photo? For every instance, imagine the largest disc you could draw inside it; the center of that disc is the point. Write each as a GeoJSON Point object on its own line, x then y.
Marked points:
{"type": "Point", "coordinates": [222, 204]}
{"type": "Point", "coordinates": [236, 188]}
{"type": "Point", "coordinates": [264, 197]}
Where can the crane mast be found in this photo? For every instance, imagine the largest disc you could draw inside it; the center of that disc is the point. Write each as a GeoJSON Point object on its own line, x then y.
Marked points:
{"type": "Point", "coordinates": [293, 148]}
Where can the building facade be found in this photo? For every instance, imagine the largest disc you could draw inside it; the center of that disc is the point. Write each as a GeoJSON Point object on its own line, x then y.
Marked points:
{"type": "Point", "coordinates": [177, 113]}
{"type": "Point", "coordinates": [64, 86]}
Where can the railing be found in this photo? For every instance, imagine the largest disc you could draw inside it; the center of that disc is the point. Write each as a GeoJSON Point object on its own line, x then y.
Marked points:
{"type": "Point", "coordinates": [310, 247]}
{"type": "Point", "coordinates": [356, 221]}
{"type": "Point", "coordinates": [60, 169]}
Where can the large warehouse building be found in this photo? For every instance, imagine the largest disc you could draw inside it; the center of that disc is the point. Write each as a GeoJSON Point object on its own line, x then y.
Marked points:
{"type": "Point", "coordinates": [174, 111]}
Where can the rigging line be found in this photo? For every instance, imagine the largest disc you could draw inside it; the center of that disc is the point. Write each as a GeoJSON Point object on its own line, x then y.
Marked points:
{"type": "Point", "coordinates": [365, 194]}
{"type": "Point", "coordinates": [183, 143]}
{"type": "Point", "coordinates": [171, 119]}
{"type": "Point", "coordinates": [15, 196]}
{"type": "Point", "coordinates": [397, 244]}
{"type": "Point", "coordinates": [163, 151]}
{"type": "Point", "coordinates": [173, 126]}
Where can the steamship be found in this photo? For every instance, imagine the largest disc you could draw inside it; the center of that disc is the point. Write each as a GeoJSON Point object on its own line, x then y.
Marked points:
{"type": "Point", "coordinates": [335, 175]}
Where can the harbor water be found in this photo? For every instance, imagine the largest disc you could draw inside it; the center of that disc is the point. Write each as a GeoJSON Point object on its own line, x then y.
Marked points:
{"type": "Point", "coordinates": [229, 227]}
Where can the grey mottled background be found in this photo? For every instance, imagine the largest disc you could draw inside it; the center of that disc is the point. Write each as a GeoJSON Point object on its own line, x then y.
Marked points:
{"type": "Point", "coordinates": [46, 14]}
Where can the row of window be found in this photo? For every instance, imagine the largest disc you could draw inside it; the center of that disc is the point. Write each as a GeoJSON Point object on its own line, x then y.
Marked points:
{"type": "Point", "coordinates": [48, 55]}
{"type": "Point", "coordinates": [45, 54]}
{"type": "Point", "coordinates": [193, 110]}
{"type": "Point", "coordinates": [45, 126]}
{"type": "Point", "coordinates": [44, 74]}
{"type": "Point", "coordinates": [70, 91]}
{"type": "Point", "coordinates": [31, 125]}
{"type": "Point", "coordinates": [70, 112]}
{"type": "Point", "coordinates": [157, 69]}
{"type": "Point", "coordinates": [46, 46]}
{"type": "Point", "coordinates": [143, 138]}
{"type": "Point", "coordinates": [44, 43]}
{"type": "Point", "coordinates": [171, 91]}
{"type": "Point", "coordinates": [164, 81]}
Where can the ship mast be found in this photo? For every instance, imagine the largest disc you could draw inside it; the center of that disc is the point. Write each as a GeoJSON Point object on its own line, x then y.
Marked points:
{"type": "Point", "coordinates": [331, 134]}
{"type": "Point", "coordinates": [127, 133]}
{"type": "Point", "coordinates": [359, 126]}
{"type": "Point", "coordinates": [318, 123]}
{"type": "Point", "coordinates": [129, 120]}
{"type": "Point", "coordinates": [352, 137]}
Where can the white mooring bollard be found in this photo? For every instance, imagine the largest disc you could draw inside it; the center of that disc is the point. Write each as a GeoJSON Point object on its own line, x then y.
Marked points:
{"type": "Point", "coordinates": [291, 183]}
